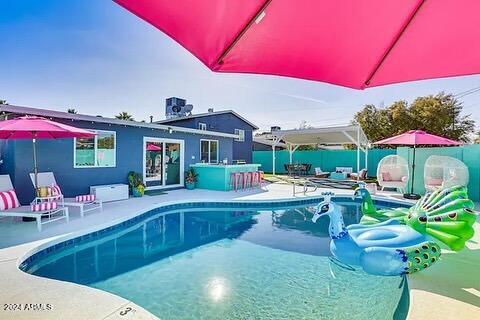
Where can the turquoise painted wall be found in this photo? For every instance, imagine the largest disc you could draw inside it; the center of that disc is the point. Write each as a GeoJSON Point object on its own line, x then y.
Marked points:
{"type": "Point", "coordinates": [327, 160]}
{"type": "Point", "coordinates": [469, 154]}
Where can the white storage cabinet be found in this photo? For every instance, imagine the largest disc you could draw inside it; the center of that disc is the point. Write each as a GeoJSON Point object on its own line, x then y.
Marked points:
{"type": "Point", "coordinates": [110, 192]}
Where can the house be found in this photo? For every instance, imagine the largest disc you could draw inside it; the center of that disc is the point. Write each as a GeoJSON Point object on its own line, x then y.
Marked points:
{"type": "Point", "coordinates": [225, 121]}
{"type": "Point", "coordinates": [161, 152]}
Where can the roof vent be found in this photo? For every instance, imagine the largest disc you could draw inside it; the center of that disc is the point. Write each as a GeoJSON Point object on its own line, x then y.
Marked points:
{"type": "Point", "coordinates": [275, 128]}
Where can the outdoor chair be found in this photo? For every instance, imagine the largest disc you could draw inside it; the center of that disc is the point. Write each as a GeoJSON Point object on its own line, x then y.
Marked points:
{"type": "Point", "coordinates": [362, 175]}
{"type": "Point", "coordinates": [26, 211]}
{"type": "Point", "coordinates": [321, 174]}
{"type": "Point", "coordinates": [444, 172]}
{"type": "Point", "coordinates": [393, 172]}
{"type": "Point", "coordinates": [47, 179]}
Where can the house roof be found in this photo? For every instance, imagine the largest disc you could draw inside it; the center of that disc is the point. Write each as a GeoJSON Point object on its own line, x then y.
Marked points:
{"type": "Point", "coordinates": [208, 114]}
{"type": "Point", "coordinates": [82, 117]}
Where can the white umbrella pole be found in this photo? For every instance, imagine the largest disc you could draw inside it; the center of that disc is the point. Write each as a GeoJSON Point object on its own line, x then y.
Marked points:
{"type": "Point", "coordinates": [35, 168]}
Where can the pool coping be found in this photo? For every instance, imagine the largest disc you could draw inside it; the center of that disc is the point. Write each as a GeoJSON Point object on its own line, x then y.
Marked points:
{"type": "Point", "coordinates": [36, 246]}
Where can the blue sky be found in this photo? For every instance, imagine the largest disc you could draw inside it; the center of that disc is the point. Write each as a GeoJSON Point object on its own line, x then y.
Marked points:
{"type": "Point", "coordinates": [100, 59]}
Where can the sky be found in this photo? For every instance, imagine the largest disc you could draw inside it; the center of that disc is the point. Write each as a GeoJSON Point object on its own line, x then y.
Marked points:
{"type": "Point", "coordinates": [94, 56]}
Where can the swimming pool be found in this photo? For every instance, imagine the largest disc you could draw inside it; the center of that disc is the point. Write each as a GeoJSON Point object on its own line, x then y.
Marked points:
{"type": "Point", "coordinates": [226, 261]}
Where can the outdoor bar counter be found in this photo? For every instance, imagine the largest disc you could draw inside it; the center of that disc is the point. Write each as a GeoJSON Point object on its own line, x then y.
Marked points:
{"type": "Point", "coordinates": [217, 176]}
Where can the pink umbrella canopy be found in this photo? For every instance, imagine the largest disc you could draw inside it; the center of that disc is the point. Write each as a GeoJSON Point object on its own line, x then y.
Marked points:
{"type": "Point", "coordinates": [152, 147]}
{"type": "Point", "coordinates": [351, 43]}
{"type": "Point", "coordinates": [418, 137]}
{"type": "Point", "coordinates": [30, 127]}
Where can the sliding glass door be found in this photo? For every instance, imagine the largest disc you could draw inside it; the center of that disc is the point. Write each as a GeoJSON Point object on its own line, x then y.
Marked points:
{"type": "Point", "coordinates": [163, 162]}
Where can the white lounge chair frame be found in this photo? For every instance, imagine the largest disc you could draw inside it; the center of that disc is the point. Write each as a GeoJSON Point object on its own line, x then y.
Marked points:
{"type": "Point", "coordinates": [47, 179]}
{"type": "Point", "coordinates": [448, 171]}
{"type": "Point", "coordinates": [25, 211]}
{"type": "Point", "coordinates": [398, 169]}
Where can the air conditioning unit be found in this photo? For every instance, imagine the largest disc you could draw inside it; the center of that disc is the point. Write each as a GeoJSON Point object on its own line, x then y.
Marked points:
{"type": "Point", "coordinates": [177, 107]}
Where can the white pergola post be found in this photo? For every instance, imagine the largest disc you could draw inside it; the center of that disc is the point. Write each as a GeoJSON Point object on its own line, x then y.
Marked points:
{"type": "Point", "coordinates": [291, 150]}
{"type": "Point", "coordinates": [358, 153]}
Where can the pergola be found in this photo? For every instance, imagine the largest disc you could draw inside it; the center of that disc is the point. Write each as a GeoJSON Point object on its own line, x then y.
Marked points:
{"type": "Point", "coordinates": [336, 135]}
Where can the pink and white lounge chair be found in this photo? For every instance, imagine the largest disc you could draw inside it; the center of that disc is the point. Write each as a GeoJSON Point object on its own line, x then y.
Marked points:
{"type": "Point", "coordinates": [47, 179]}
{"type": "Point", "coordinates": [12, 207]}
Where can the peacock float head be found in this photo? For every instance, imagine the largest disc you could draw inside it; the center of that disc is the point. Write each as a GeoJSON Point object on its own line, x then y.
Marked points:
{"type": "Point", "coordinates": [446, 215]}
{"type": "Point", "coordinates": [361, 192]}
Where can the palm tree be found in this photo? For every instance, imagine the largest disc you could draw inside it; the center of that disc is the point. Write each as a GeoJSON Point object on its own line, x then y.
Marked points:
{"type": "Point", "coordinates": [72, 110]}
{"type": "Point", "coordinates": [124, 116]}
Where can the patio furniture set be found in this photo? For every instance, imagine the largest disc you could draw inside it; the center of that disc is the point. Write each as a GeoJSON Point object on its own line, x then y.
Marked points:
{"type": "Point", "coordinates": [49, 205]}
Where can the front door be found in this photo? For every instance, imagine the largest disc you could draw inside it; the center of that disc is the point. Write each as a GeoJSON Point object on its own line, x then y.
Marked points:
{"type": "Point", "coordinates": [163, 162]}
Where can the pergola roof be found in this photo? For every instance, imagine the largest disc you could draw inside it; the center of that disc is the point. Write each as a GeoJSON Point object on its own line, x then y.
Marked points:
{"type": "Point", "coordinates": [346, 134]}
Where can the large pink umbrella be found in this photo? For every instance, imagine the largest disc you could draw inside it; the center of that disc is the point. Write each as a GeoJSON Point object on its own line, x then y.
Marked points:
{"type": "Point", "coordinates": [30, 127]}
{"type": "Point", "coordinates": [414, 138]}
{"type": "Point", "coordinates": [352, 43]}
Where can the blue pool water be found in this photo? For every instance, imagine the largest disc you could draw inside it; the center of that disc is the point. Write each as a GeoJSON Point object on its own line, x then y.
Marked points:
{"type": "Point", "coordinates": [225, 263]}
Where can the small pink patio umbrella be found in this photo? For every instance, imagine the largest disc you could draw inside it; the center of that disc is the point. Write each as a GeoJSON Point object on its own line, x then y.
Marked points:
{"type": "Point", "coordinates": [152, 147]}
{"type": "Point", "coordinates": [414, 138]}
{"type": "Point", "coordinates": [357, 44]}
{"type": "Point", "coordinates": [31, 127]}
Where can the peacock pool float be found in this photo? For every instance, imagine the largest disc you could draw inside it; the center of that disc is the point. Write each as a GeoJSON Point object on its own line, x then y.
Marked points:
{"type": "Point", "coordinates": [405, 243]}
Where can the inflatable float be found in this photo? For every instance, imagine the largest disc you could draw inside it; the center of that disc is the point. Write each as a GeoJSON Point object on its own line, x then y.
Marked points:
{"type": "Point", "coordinates": [394, 248]}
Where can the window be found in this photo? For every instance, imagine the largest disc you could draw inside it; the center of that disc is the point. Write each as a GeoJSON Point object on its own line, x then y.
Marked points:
{"type": "Point", "coordinates": [209, 151]}
{"type": "Point", "coordinates": [202, 126]}
{"type": "Point", "coordinates": [241, 134]}
{"type": "Point", "coordinates": [98, 151]}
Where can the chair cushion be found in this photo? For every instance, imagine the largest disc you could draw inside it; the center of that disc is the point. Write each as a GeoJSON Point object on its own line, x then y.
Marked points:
{"type": "Point", "coordinates": [55, 190]}
{"type": "Point", "coordinates": [44, 206]}
{"type": "Point", "coordinates": [8, 200]}
{"type": "Point", "coordinates": [386, 176]}
{"type": "Point", "coordinates": [85, 198]}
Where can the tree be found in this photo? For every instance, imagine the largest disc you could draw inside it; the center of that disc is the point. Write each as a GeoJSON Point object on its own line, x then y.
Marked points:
{"type": "Point", "coordinates": [439, 114]}
{"type": "Point", "coordinates": [124, 116]}
{"type": "Point", "coordinates": [72, 110]}
{"type": "Point", "coordinates": [3, 101]}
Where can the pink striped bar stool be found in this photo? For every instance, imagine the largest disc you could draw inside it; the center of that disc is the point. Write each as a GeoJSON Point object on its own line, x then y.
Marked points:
{"type": "Point", "coordinates": [255, 179]}
{"type": "Point", "coordinates": [235, 180]}
{"type": "Point", "coordinates": [261, 175]}
{"type": "Point", "coordinates": [247, 180]}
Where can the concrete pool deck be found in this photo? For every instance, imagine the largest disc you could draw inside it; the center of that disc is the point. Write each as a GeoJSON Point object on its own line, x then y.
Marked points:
{"type": "Point", "coordinates": [448, 290]}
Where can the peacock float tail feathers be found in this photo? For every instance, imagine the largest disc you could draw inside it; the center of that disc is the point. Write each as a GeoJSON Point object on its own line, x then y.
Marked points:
{"type": "Point", "coordinates": [420, 256]}
{"type": "Point", "coordinates": [446, 215]}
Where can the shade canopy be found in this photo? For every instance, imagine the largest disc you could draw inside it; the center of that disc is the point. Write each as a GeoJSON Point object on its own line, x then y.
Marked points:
{"type": "Point", "coordinates": [418, 137]}
{"type": "Point", "coordinates": [331, 135]}
{"type": "Point", "coordinates": [30, 127]}
{"type": "Point", "coordinates": [352, 43]}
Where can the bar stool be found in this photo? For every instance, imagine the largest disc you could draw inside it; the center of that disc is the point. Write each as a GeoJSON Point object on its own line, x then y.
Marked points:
{"type": "Point", "coordinates": [261, 175]}
{"type": "Point", "coordinates": [247, 180]}
{"type": "Point", "coordinates": [235, 180]}
{"type": "Point", "coordinates": [256, 180]}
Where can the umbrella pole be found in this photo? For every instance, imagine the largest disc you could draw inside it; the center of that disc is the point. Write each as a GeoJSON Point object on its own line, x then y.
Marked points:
{"type": "Point", "coordinates": [35, 168]}
{"type": "Point", "coordinates": [413, 171]}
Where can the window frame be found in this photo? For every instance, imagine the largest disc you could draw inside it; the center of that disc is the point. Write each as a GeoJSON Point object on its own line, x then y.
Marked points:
{"type": "Point", "coordinates": [95, 149]}
{"type": "Point", "coordinates": [210, 150]}
{"type": "Point", "coordinates": [202, 126]}
{"type": "Point", "coordinates": [237, 132]}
